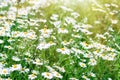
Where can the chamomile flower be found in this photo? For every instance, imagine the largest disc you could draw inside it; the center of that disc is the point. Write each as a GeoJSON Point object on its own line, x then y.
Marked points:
{"type": "Point", "coordinates": [23, 70]}
{"type": "Point", "coordinates": [65, 43]}
{"type": "Point", "coordinates": [61, 69]}
{"type": "Point", "coordinates": [56, 74]}
{"type": "Point", "coordinates": [54, 17]}
{"type": "Point", "coordinates": [92, 62]}
{"type": "Point", "coordinates": [86, 26]}
{"type": "Point", "coordinates": [100, 36]}
{"type": "Point", "coordinates": [62, 30]}
{"type": "Point", "coordinates": [50, 69]}
{"type": "Point", "coordinates": [66, 9]}
{"type": "Point", "coordinates": [83, 65]}
{"type": "Point", "coordinates": [45, 45]}
{"type": "Point", "coordinates": [16, 67]}
{"type": "Point", "coordinates": [85, 77]}
{"type": "Point", "coordinates": [75, 14]}
{"type": "Point", "coordinates": [110, 56]}
{"type": "Point", "coordinates": [45, 33]}
{"type": "Point", "coordinates": [5, 71]}
{"type": "Point", "coordinates": [35, 72]}
{"type": "Point", "coordinates": [37, 62]}
{"type": "Point", "coordinates": [47, 75]}
{"type": "Point", "coordinates": [15, 58]}
{"type": "Point", "coordinates": [64, 50]}
{"type": "Point", "coordinates": [51, 43]}
{"type": "Point", "coordinates": [70, 20]}
{"type": "Point", "coordinates": [32, 76]}
{"type": "Point", "coordinates": [87, 32]}
{"type": "Point", "coordinates": [76, 35]}
{"type": "Point", "coordinates": [3, 56]}
{"type": "Point", "coordinates": [57, 23]}
{"type": "Point", "coordinates": [8, 78]}
{"type": "Point", "coordinates": [114, 21]}
{"type": "Point", "coordinates": [77, 51]}
{"type": "Point", "coordinates": [8, 47]}
{"type": "Point", "coordinates": [28, 54]}
{"type": "Point", "coordinates": [85, 45]}
{"type": "Point", "coordinates": [110, 49]}
{"type": "Point", "coordinates": [73, 78]}
{"type": "Point", "coordinates": [92, 74]}
{"type": "Point", "coordinates": [10, 40]}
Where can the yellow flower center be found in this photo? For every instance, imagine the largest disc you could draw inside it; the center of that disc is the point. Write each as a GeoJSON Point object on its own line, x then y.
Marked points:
{"type": "Point", "coordinates": [0, 17]}
{"type": "Point", "coordinates": [4, 71]}
{"type": "Point", "coordinates": [97, 51]}
{"type": "Point", "coordinates": [33, 75]}
{"type": "Point", "coordinates": [48, 74]}
{"type": "Point", "coordinates": [45, 32]}
{"type": "Point", "coordinates": [62, 28]}
{"type": "Point", "coordinates": [82, 65]}
{"type": "Point", "coordinates": [63, 49]}
{"type": "Point", "coordinates": [25, 32]}
{"type": "Point", "coordinates": [50, 42]}
{"type": "Point", "coordinates": [45, 29]}
{"type": "Point", "coordinates": [86, 44]}
{"type": "Point", "coordinates": [110, 48]}
{"type": "Point", "coordinates": [15, 66]}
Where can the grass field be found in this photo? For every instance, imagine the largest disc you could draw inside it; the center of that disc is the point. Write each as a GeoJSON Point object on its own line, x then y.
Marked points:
{"type": "Point", "coordinates": [59, 39]}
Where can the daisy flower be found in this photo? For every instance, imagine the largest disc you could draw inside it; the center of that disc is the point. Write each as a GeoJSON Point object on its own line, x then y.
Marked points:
{"type": "Point", "coordinates": [8, 47]}
{"type": "Point", "coordinates": [92, 62]}
{"type": "Point", "coordinates": [62, 30]}
{"type": "Point", "coordinates": [65, 43]}
{"type": "Point", "coordinates": [32, 76]}
{"type": "Point", "coordinates": [64, 50]}
{"type": "Point", "coordinates": [85, 77]}
{"type": "Point", "coordinates": [73, 79]}
{"type": "Point", "coordinates": [47, 75]}
{"type": "Point", "coordinates": [16, 67]}
{"type": "Point", "coordinates": [45, 33]}
{"type": "Point", "coordinates": [83, 65]}
{"type": "Point", "coordinates": [5, 71]}
{"type": "Point", "coordinates": [37, 62]}
{"type": "Point", "coordinates": [15, 58]}
{"type": "Point", "coordinates": [56, 74]}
